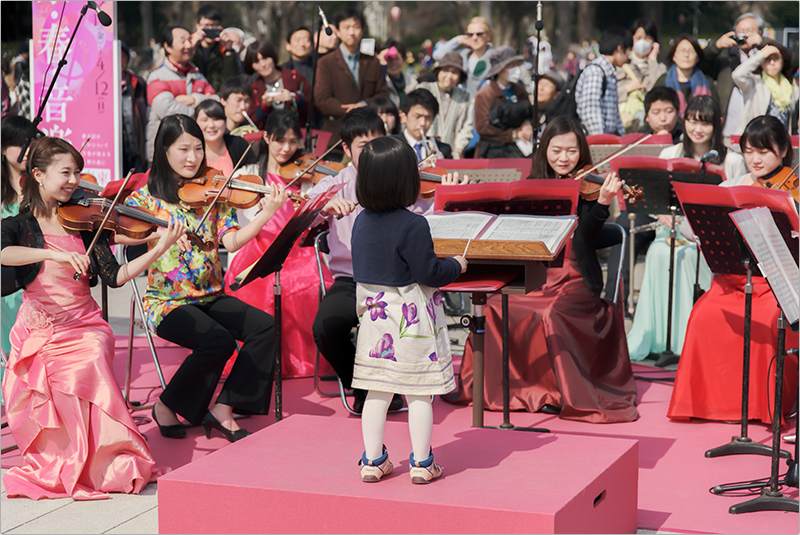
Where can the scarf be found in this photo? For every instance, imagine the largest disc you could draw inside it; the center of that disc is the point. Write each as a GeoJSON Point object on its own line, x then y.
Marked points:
{"type": "Point", "coordinates": [781, 91]}
{"type": "Point", "coordinates": [697, 83]}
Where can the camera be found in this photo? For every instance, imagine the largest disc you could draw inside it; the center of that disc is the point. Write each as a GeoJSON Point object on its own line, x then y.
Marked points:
{"type": "Point", "coordinates": [740, 39]}
{"type": "Point", "coordinates": [212, 33]}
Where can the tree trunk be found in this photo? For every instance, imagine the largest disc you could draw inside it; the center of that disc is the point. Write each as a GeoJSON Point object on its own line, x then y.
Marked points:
{"type": "Point", "coordinates": [146, 13]}
{"type": "Point", "coordinates": [563, 37]}
{"type": "Point", "coordinates": [586, 11]}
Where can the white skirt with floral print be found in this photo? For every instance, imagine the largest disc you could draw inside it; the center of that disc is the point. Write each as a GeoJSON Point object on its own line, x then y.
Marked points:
{"type": "Point", "coordinates": [403, 345]}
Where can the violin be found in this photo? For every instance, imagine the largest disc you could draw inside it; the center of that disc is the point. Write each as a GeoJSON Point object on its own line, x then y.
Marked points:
{"type": "Point", "coordinates": [591, 184]}
{"type": "Point", "coordinates": [784, 179]}
{"type": "Point", "coordinates": [242, 192]}
{"type": "Point", "coordinates": [304, 168]}
{"type": "Point", "coordinates": [84, 215]}
{"type": "Point", "coordinates": [429, 179]}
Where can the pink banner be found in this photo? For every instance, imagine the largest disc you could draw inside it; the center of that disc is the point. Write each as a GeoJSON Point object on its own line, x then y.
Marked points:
{"type": "Point", "coordinates": [83, 104]}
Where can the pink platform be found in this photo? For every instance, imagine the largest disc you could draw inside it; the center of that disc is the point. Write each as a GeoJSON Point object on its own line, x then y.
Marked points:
{"type": "Point", "coordinates": [301, 476]}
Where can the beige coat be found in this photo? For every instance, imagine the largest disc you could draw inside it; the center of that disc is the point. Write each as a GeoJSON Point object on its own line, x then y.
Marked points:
{"type": "Point", "coordinates": [454, 128]}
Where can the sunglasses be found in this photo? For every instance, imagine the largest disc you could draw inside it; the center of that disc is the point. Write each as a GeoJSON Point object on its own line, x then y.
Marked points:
{"type": "Point", "coordinates": [479, 34]}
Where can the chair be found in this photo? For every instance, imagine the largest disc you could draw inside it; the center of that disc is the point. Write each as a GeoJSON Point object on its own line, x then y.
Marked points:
{"type": "Point", "coordinates": [4, 364]}
{"type": "Point", "coordinates": [136, 304]}
{"type": "Point", "coordinates": [624, 237]}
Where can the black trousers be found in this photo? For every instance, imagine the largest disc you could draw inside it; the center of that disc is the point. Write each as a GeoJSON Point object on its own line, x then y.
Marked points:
{"type": "Point", "coordinates": [211, 331]}
{"type": "Point", "coordinates": [336, 317]}
{"type": "Point", "coordinates": [493, 149]}
{"type": "Point", "coordinates": [641, 242]}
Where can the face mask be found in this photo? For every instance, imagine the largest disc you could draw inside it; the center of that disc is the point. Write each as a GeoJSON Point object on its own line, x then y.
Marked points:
{"type": "Point", "coordinates": [642, 47]}
{"type": "Point", "coordinates": [514, 74]}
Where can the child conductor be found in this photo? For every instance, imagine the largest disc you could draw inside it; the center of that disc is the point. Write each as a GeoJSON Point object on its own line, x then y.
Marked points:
{"type": "Point", "coordinates": [403, 345]}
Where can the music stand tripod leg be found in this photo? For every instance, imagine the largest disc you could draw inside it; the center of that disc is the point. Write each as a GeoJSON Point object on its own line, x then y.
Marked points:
{"type": "Point", "coordinates": [277, 291]}
{"type": "Point", "coordinates": [506, 387]}
{"type": "Point", "coordinates": [771, 499]}
{"type": "Point", "coordinates": [743, 444]}
{"type": "Point", "coordinates": [668, 357]}
{"type": "Point", "coordinates": [478, 326]}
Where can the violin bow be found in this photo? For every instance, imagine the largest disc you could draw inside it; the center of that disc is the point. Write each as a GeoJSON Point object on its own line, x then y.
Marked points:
{"type": "Point", "coordinates": [219, 192]}
{"type": "Point", "coordinates": [312, 164]}
{"type": "Point", "coordinates": [89, 249]}
{"type": "Point", "coordinates": [88, 139]}
{"type": "Point", "coordinates": [619, 152]}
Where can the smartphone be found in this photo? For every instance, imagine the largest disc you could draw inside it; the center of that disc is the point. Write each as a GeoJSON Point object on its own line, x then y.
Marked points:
{"type": "Point", "coordinates": [212, 33]}
{"type": "Point", "coordinates": [368, 46]}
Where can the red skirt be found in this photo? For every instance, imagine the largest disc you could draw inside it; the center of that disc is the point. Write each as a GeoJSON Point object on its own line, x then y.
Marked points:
{"type": "Point", "coordinates": [709, 380]}
{"type": "Point", "coordinates": [566, 348]}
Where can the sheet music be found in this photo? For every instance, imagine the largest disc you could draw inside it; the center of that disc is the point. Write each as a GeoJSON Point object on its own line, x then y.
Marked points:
{"type": "Point", "coordinates": [457, 225]}
{"type": "Point", "coordinates": [549, 230]}
{"type": "Point", "coordinates": [774, 259]}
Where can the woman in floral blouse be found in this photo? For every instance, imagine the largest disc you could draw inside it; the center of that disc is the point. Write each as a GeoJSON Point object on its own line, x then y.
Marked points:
{"type": "Point", "coordinates": [185, 301]}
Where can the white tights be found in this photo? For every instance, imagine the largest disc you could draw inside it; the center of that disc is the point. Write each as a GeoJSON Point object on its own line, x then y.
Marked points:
{"type": "Point", "coordinates": [373, 422]}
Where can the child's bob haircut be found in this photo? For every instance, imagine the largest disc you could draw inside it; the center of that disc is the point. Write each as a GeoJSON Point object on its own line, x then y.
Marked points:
{"type": "Point", "coordinates": [388, 175]}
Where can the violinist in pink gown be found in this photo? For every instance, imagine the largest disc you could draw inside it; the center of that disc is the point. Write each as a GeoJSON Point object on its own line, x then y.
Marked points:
{"type": "Point", "coordinates": [64, 406]}
{"type": "Point", "coordinates": [299, 276]}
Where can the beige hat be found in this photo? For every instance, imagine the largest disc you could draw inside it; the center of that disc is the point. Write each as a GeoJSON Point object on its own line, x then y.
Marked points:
{"type": "Point", "coordinates": [499, 58]}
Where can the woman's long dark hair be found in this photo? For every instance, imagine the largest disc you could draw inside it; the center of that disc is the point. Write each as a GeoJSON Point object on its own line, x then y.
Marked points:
{"type": "Point", "coordinates": [163, 181]}
{"type": "Point", "coordinates": [556, 127]}
{"type": "Point", "coordinates": [705, 109]}
{"type": "Point", "coordinates": [15, 130]}
{"type": "Point", "coordinates": [768, 133]}
{"type": "Point", "coordinates": [278, 123]}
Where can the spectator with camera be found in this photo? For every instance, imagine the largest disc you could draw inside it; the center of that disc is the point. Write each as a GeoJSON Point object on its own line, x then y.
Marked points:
{"type": "Point", "coordinates": [216, 56]}
{"type": "Point", "coordinates": [398, 82]}
{"type": "Point", "coordinates": [721, 59]}
{"type": "Point", "coordinates": [177, 86]}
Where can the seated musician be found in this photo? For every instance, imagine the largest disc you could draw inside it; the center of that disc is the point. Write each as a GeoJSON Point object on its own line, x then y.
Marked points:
{"type": "Point", "coordinates": [336, 316]}
{"type": "Point", "coordinates": [64, 406]}
{"type": "Point", "coordinates": [709, 379]}
{"type": "Point", "coordinates": [185, 301]}
{"type": "Point", "coordinates": [567, 346]}
{"type": "Point", "coordinates": [299, 275]}
{"type": "Point", "coordinates": [648, 335]}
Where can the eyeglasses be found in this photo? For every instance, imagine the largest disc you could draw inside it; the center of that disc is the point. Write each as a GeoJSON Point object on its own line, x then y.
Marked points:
{"type": "Point", "coordinates": [479, 34]}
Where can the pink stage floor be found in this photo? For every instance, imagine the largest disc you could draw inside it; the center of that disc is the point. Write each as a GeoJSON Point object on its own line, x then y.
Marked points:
{"type": "Point", "coordinates": [674, 476]}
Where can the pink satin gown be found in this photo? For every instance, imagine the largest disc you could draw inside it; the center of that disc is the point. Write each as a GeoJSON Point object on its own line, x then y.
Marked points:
{"type": "Point", "coordinates": [64, 406]}
{"type": "Point", "coordinates": [300, 285]}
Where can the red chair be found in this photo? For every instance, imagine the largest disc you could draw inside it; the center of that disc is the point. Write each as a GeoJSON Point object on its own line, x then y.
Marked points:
{"type": "Point", "coordinates": [657, 139]}
{"type": "Point", "coordinates": [464, 163]}
{"type": "Point", "coordinates": [603, 139]}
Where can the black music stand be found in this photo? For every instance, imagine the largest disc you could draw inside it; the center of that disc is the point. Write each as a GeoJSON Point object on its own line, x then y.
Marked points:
{"type": "Point", "coordinates": [522, 204]}
{"type": "Point", "coordinates": [660, 198]}
{"type": "Point", "coordinates": [725, 253]}
{"type": "Point", "coordinates": [770, 499]}
{"type": "Point", "coordinates": [272, 262]}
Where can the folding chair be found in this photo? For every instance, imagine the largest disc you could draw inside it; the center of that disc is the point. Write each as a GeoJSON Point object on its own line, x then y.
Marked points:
{"type": "Point", "coordinates": [136, 304]}
{"type": "Point", "coordinates": [624, 238]}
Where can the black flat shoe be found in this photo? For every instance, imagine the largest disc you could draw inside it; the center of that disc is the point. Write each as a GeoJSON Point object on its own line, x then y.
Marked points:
{"type": "Point", "coordinates": [550, 409]}
{"type": "Point", "coordinates": [169, 431]}
{"type": "Point", "coordinates": [210, 422]}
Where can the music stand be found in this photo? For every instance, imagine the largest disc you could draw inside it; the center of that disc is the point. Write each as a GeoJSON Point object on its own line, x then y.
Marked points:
{"type": "Point", "coordinates": [660, 198]}
{"type": "Point", "coordinates": [489, 273]}
{"type": "Point", "coordinates": [725, 253]}
{"type": "Point", "coordinates": [272, 262]}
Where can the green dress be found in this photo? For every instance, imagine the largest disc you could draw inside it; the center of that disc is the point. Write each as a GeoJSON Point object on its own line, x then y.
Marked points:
{"type": "Point", "coordinates": [11, 303]}
{"type": "Point", "coordinates": [649, 332]}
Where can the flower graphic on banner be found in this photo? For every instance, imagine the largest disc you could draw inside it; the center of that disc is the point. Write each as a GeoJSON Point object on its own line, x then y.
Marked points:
{"type": "Point", "coordinates": [384, 349]}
